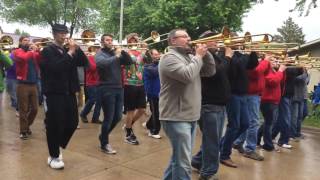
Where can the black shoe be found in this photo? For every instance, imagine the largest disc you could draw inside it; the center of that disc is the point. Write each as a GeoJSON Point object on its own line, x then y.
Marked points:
{"type": "Point", "coordinates": [196, 166]}
{"type": "Point", "coordinates": [29, 132]}
{"type": "Point", "coordinates": [213, 177]}
{"type": "Point", "coordinates": [23, 136]}
{"type": "Point", "coordinates": [238, 147]}
{"type": "Point", "coordinates": [84, 119]}
{"type": "Point", "coordinates": [96, 121]}
{"type": "Point", "coordinates": [132, 139]}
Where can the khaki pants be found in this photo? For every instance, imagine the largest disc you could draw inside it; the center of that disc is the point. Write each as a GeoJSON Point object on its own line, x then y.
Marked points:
{"type": "Point", "coordinates": [27, 96]}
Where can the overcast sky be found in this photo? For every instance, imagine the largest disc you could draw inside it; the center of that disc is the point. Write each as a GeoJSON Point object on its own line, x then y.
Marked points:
{"type": "Point", "coordinates": [262, 18]}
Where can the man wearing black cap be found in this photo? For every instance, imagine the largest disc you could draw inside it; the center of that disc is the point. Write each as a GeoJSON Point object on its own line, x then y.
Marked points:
{"type": "Point", "coordinates": [60, 82]}
{"type": "Point", "coordinates": [215, 95]}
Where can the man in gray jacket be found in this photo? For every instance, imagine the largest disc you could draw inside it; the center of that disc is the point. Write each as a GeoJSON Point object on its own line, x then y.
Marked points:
{"type": "Point", "coordinates": [180, 98]}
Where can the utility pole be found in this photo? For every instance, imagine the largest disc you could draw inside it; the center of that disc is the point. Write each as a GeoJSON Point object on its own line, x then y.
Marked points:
{"type": "Point", "coordinates": [121, 22]}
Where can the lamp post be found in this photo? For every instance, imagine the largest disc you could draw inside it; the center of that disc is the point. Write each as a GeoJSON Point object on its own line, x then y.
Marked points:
{"type": "Point", "coordinates": [121, 22]}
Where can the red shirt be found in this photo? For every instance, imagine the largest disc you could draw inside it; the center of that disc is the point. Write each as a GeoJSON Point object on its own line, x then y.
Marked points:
{"type": "Point", "coordinates": [272, 91]}
{"type": "Point", "coordinates": [257, 78]}
{"type": "Point", "coordinates": [92, 77]}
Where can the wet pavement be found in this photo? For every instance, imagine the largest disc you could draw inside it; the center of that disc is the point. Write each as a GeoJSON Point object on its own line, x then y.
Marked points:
{"type": "Point", "coordinates": [26, 159]}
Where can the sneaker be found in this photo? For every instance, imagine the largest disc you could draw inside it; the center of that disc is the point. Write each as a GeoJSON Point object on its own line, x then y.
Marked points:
{"type": "Point", "coordinates": [196, 166]}
{"type": "Point", "coordinates": [29, 132]}
{"type": "Point", "coordinates": [132, 139]}
{"type": "Point", "coordinates": [156, 136]}
{"type": "Point", "coordinates": [295, 139]}
{"type": "Point", "coordinates": [17, 114]}
{"type": "Point", "coordinates": [84, 119]}
{"type": "Point", "coordinates": [212, 177]}
{"type": "Point", "coordinates": [96, 121]}
{"type": "Point", "coordinates": [253, 155]}
{"type": "Point", "coordinates": [23, 136]}
{"type": "Point", "coordinates": [238, 147]}
{"type": "Point", "coordinates": [286, 146]}
{"type": "Point", "coordinates": [55, 163]}
{"type": "Point", "coordinates": [78, 127]}
{"type": "Point", "coordinates": [144, 125]}
{"type": "Point", "coordinates": [108, 149]}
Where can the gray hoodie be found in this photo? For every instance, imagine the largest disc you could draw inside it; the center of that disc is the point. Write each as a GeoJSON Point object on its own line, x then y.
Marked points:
{"type": "Point", "coordinates": [180, 93]}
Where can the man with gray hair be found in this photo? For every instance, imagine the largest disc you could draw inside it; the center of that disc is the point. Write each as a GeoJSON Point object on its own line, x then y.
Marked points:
{"type": "Point", "coordinates": [180, 98]}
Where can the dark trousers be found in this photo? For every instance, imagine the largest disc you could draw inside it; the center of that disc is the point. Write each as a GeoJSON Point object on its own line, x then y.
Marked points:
{"type": "Point", "coordinates": [92, 100]}
{"type": "Point", "coordinates": [112, 106]}
{"type": "Point", "coordinates": [282, 123]}
{"type": "Point", "coordinates": [154, 123]}
{"type": "Point", "coordinates": [27, 96]}
{"type": "Point", "coordinates": [61, 121]}
{"type": "Point", "coordinates": [270, 113]}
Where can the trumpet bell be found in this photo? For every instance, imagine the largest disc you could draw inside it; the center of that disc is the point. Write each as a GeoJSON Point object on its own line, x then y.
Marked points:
{"type": "Point", "coordinates": [88, 36]}
{"type": "Point", "coordinates": [6, 40]}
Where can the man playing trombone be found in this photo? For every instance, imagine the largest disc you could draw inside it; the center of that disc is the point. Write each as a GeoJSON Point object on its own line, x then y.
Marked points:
{"type": "Point", "coordinates": [60, 83]}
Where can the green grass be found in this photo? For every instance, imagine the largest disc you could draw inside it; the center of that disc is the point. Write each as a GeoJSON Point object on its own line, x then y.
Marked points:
{"type": "Point", "coordinates": [313, 119]}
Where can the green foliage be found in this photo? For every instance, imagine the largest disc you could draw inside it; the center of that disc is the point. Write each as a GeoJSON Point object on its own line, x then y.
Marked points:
{"type": "Point", "coordinates": [197, 16]}
{"type": "Point", "coordinates": [21, 33]}
{"type": "Point", "coordinates": [291, 32]}
{"type": "Point", "coordinates": [74, 13]}
{"type": "Point", "coordinates": [313, 119]}
{"type": "Point", "coordinates": [302, 6]}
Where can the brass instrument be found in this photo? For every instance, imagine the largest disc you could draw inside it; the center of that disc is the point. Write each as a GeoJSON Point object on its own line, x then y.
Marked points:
{"type": "Point", "coordinates": [156, 38]}
{"type": "Point", "coordinates": [6, 41]}
{"type": "Point", "coordinates": [225, 33]}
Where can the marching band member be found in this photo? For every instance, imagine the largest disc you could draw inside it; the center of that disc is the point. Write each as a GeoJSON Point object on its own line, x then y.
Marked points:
{"type": "Point", "coordinates": [284, 120]}
{"type": "Point", "coordinates": [110, 89]}
{"type": "Point", "coordinates": [60, 83]}
{"type": "Point", "coordinates": [237, 107]}
{"type": "Point", "coordinates": [27, 59]}
{"type": "Point", "coordinates": [216, 93]}
{"type": "Point", "coordinates": [91, 83]}
{"type": "Point", "coordinates": [256, 86]}
{"type": "Point", "coordinates": [152, 88]}
{"type": "Point", "coordinates": [270, 100]}
{"type": "Point", "coordinates": [180, 98]}
{"type": "Point", "coordinates": [134, 94]}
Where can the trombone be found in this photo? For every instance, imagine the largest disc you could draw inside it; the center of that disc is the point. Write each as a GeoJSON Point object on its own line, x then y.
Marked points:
{"type": "Point", "coordinates": [225, 33]}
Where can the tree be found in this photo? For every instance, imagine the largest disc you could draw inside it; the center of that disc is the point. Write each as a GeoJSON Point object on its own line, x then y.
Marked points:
{"type": "Point", "coordinates": [74, 13]}
{"type": "Point", "coordinates": [291, 32]}
{"type": "Point", "coordinates": [21, 33]}
{"type": "Point", "coordinates": [302, 6]}
{"type": "Point", "coordinates": [196, 16]}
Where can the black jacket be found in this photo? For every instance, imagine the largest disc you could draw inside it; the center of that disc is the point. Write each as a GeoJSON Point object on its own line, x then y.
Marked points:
{"type": "Point", "coordinates": [291, 73]}
{"type": "Point", "coordinates": [59, 70]}
{"type": "Point", "coordinates": [238, 75]}
{"type": "Point", "coordinates": [216, 89]}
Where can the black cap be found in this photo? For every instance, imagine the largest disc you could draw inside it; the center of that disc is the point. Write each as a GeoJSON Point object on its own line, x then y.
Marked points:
{"type": "Point", "coordinates": [59, 28]}
{"type": "Point", "coordinates": [207, 34]}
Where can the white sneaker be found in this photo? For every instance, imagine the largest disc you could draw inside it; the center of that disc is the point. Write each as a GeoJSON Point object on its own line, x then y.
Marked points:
{"type": "Point", "coordinates": [108, 149]}
{"type": "Point", "coordinates": [144, 124]}
{"type": "Point", "coordinates": [287, 146]}
{"type": "Point", "coordinates": [55, 163]}
{"type": "Point", "coordinates": [60, 155]}
{"type": "Point", "coordinates": [156, 136]}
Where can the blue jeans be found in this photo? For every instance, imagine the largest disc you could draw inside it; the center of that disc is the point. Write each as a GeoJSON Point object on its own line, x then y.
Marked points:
{"type": "Point", "coordinates": [211, 124]}
{"type": "Point", "coordinates": [181, 136]}
{"type": "Point", "coordinates": [238, 122]}
{"type": "Point", "coordinates": [296, 120]}
{"type": "Point", "coordinates": [112, 105]}
{"type": "Point", "coordinates": [250, 135]}
{"type": "Point", "coordinates": [282, 123]}
{"type": "Point", "coordinates": [270, 113]}
{"type": "Point", "coordinates": [92, 100]}
{"type": "Point", "coordinates": [11, 85]}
